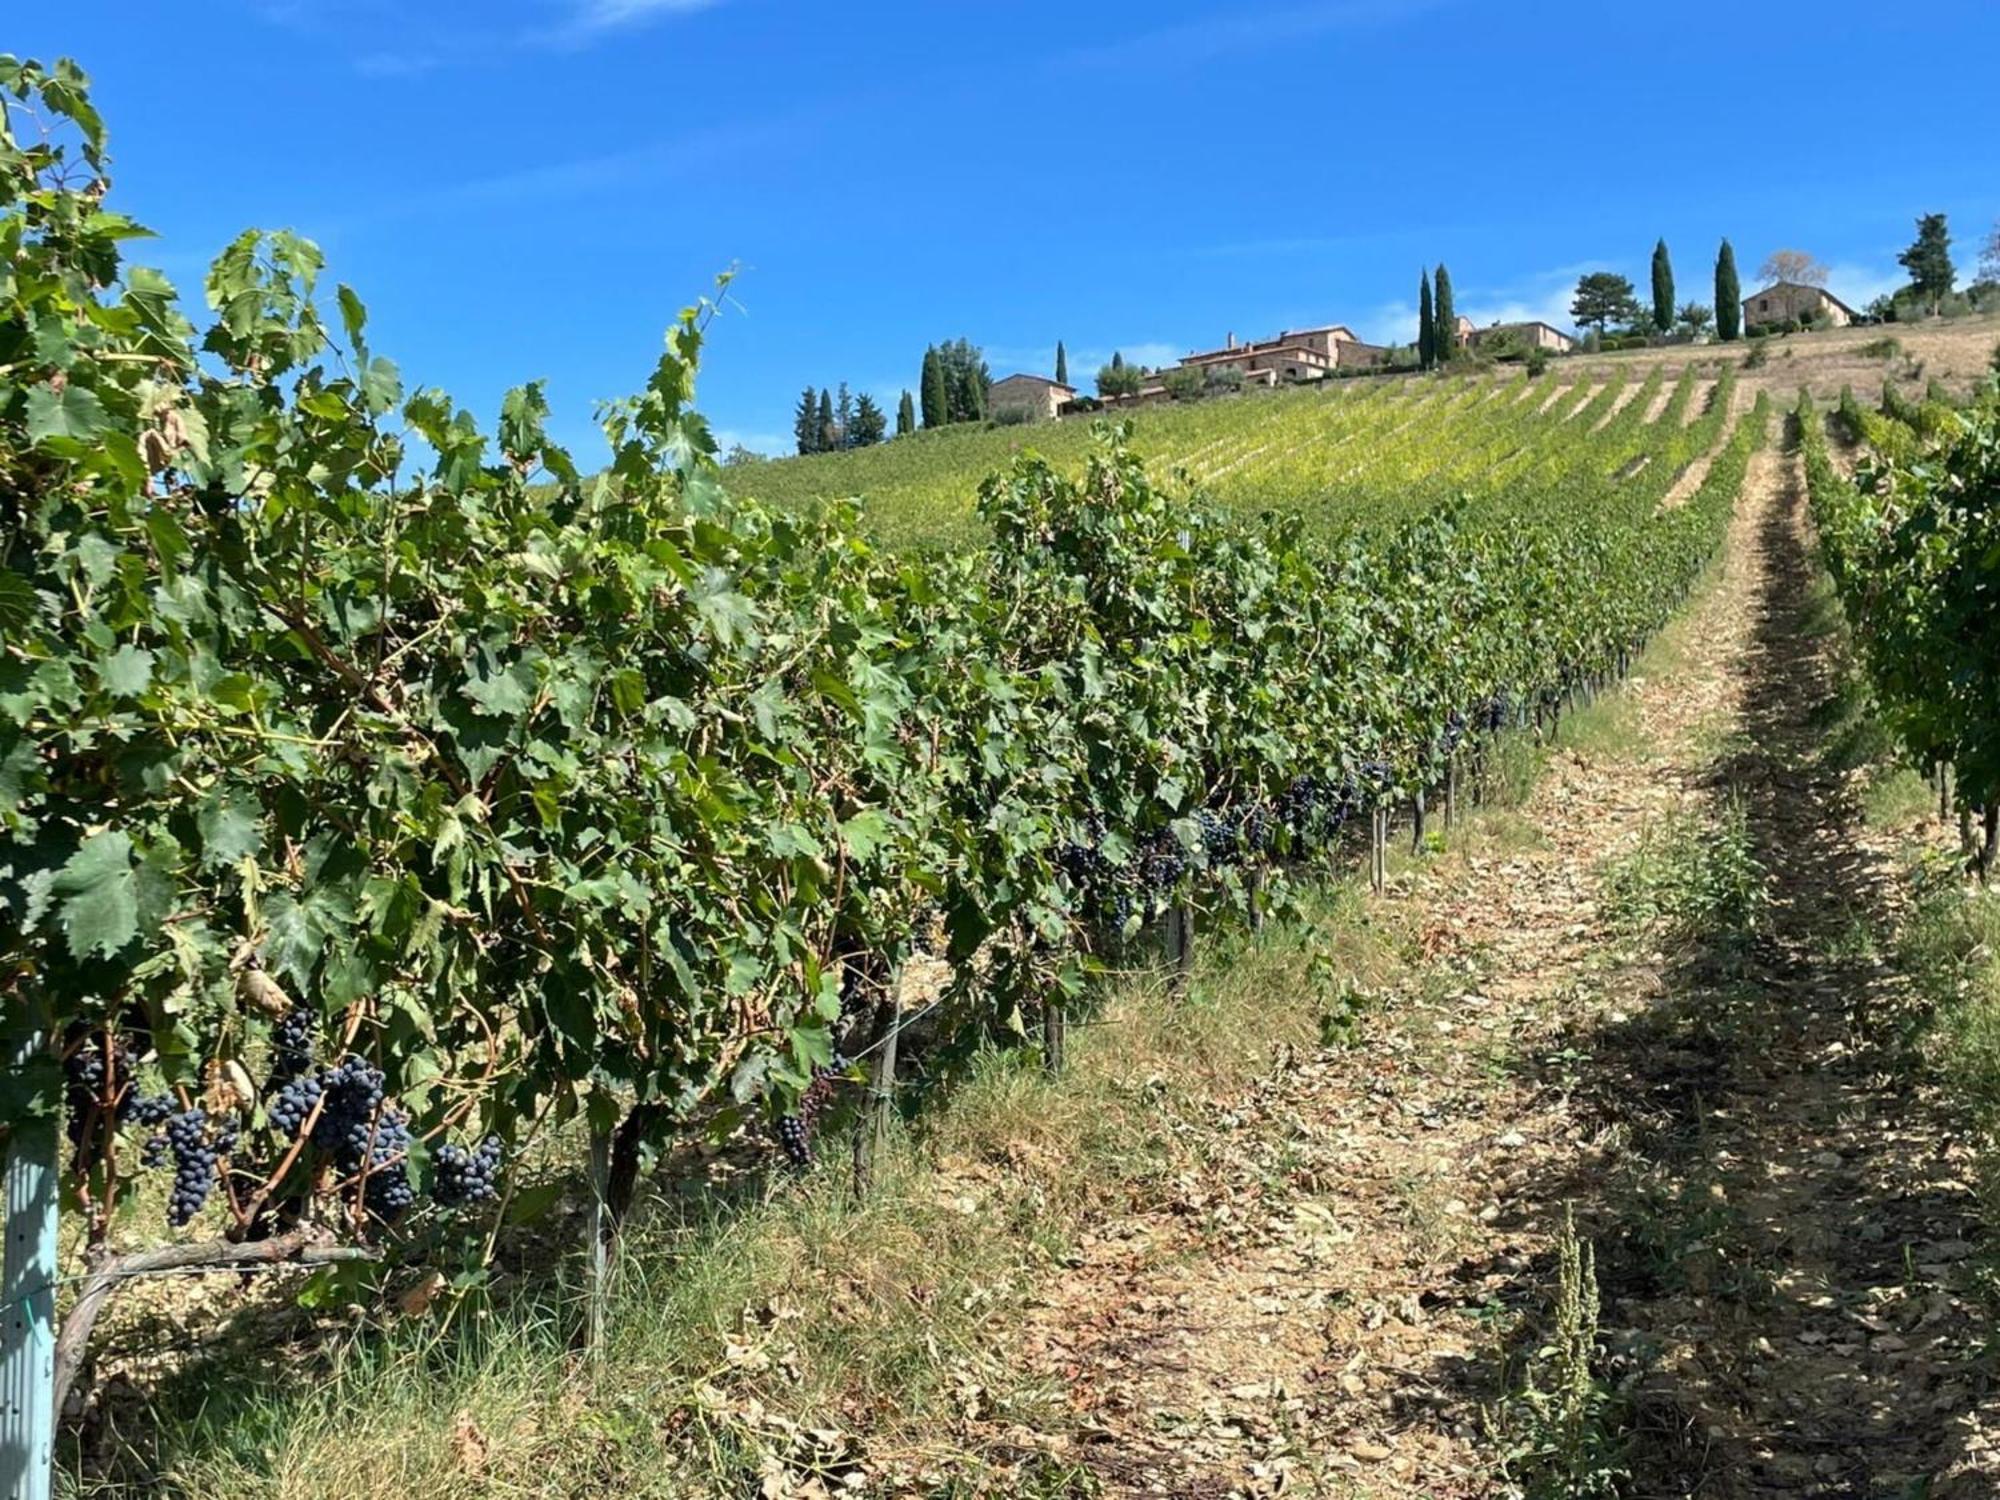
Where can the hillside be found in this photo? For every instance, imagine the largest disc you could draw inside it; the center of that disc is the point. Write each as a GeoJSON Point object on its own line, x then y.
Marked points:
{"type": "Point", "coordinates": [1345, 450]}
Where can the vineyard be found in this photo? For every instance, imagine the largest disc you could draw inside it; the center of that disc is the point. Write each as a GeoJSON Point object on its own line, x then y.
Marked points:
{"type": "Point", "coordinates": [1363, 453]}
{"type": "Point", "coordinates": [1912, 542]}
{"type": "Point", "coordinates": [407, 831]}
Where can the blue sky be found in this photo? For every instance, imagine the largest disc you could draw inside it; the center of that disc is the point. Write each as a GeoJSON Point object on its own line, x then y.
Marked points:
{"type": "Point", "coordinates": [531, 188]}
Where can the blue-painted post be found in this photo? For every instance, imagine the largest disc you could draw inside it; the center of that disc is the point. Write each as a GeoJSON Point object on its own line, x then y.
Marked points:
{"type": "Point", "coordinates": [27, 1286]}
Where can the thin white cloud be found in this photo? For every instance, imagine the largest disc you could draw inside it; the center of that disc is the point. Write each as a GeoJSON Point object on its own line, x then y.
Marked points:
{"type": "Point", "coordinates": [1261, 249]}
{"type": "Point", "coordinates": [397, 64]}
{"type": "Point", "coordinates": [1194, 42]}
{"type": "Point", "coordinates": [590, 20]}
{"type": "Point", "coordinates": [1388, 323]}
{"type": "Point", "coordinates": [652, 162]}
{"type": "Point", "coordinates": [389, 42]}
{"type": "Point", "coordinates": [1858, 285]}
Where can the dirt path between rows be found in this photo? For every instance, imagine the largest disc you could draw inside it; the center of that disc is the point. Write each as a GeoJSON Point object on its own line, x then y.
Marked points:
{"type": "Point", "coordinates": [1783, 1221]}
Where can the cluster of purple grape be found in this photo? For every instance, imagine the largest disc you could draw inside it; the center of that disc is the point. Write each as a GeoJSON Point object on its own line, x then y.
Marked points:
{"type": "Point", "coordinates": [359, 1134]}
{"type": "Point", "coordinates": [1494, 712]}
{"type": "Point", "coordinates": [795, 1130]}
{"type": "Point", "coordinates": [1313, 806]}
{"type": "Point", "coordinates": [88, 1074]}
{"type": "Point", "coordinates": [1162, 862]}
{"type": "Point", "coordinates": [195, 1156]}
{"type": "Point", "coordinates": [459, 1176]}
{"type": "Point", "coordinates": [292, 1046]}
{"type": "Point", "coordinates": [294, 1103]}
{"type": "Point", "coordinates": [1221, 835]}
{"type": "Point", "coordinates": [1453, 734]}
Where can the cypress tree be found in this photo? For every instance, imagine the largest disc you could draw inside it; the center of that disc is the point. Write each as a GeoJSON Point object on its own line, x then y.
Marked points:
{"type": "Point", "coordinates": [1444, 319]}
{"type": "Point", "coordinates": [906, 416]}
{"type": "Point", "coordinates": [936, 405]}
{"type": "Point", "coordinates": [1663, 289]}
{"type": "Point", "coordinates": [1728, 294]}
{"type": "Point", "coordinates": [1062, 364]}
{"type": "Point", "coordinates": [805, 422]}
{"type": "Point", "coordinates": [1426, 329]}
{"type": "Point", "coordinates": [829, 435]}
{"type": "Point", "coordinates": [971, 394]}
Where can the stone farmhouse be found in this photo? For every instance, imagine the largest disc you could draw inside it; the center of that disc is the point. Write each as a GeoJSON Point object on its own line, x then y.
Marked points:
{"type": "Point", "coordinates": [1039, 397]}
{"type": "Point", "coordinates": [1534, 334]}
{"type": "Point", "coordinates": [1783, 301]}
{"type": "Point", "coordinates": [1296, 354]}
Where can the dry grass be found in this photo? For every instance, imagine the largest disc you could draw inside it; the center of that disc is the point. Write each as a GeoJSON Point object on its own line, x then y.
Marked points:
{"type": "Point", "coordinates": [1956, 351]}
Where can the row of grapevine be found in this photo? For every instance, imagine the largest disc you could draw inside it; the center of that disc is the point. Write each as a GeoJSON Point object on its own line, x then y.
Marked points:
{"type": "Point", "coordinates": [1351, 454]}
{"type": "Point", "coordinates": [1912, 543]}
{"type": "Point", "coordinates": [375, 791]}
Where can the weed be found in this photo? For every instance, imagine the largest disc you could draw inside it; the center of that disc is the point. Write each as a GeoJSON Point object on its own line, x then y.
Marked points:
{"type": "Point", "coordinates": [1691, 880]}
{"type": "Point", "coordinates": [1559, 1434]}
{"type": "Point", "coordinates": [1951, 944]}
{"type": "Point", "coordinates": [1883, 348]}
{"type": "Point", "coordinates": [1896, 797]}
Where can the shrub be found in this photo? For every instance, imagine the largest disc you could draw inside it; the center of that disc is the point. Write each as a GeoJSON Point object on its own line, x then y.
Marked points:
{"type": "Point", "coordinates": [1185, 384]}
{"type": "Point", "coordinates": [1887, 347]}
{"type": "Point", "coordinates": [1760, 352]}
{"type": "Point", "coordinates": [1537, 360]}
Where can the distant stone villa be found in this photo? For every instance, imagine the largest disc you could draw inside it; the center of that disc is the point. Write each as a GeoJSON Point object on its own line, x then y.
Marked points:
{"type": "Point", "coordinates": [1295, 354]}
{"type": "Point", "coordinates": [1784, 301]}
{"type": "Point", "coordinates": [1039, 397]}
{"type": "Point", "coordinates": [1532, 334]}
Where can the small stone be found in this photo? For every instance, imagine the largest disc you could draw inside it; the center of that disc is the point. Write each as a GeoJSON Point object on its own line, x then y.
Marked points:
{"type": "Point", "coordinates": [1368, 1452]}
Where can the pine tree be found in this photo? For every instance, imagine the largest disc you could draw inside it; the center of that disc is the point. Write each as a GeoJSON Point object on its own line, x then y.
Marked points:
{"type": "Point", "coordinates": [805, 422]}
{"type": "Point", "coordinates": [1928, 261]}
{"type": "Point", "coordinates": [1728, 295]}
{"type": "Point", "coordinates": [869, 424]}
{"type": "Point", "coordinates": [1062, 364]}
{"type": "Point", "coordinates": [1663, 289]}
{"type": "Point", "coordinates": [1603, 298]}
{"type": "Point", "coordinates": [843, 419]}
{"type": "Point", "coordinates": [1426, 329]}
{"type": "Point", "coordinates": [937, 407]}
{"type": "Point", "coordinates": [1444, 319]}
{"type": "Point", "coordinates": [906, 416]}
{"type": "Point", "coordinates": [829, 435]}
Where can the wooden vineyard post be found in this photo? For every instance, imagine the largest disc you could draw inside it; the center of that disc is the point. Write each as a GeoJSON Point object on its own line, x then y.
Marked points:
{"type": "Point", "coordinates": [1253, 886]}
{"type": "Point", "coordinates": [1378, 852]}
{"type": "Point", "coordinates": [1054, 1035]}
{"type": "Point", "coordinates": [1417, 822]}
{"type": "Point", "coordinates": [603, 1229]}
{"type": "Point", "coordinates": [1451, 793]}
{"type": "Point", "coordinates": [871, 1132]}
{"type": "Point", "coordinates": [1180, 946]}
{"type": "Point", "coordinates": [27, 1284]}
